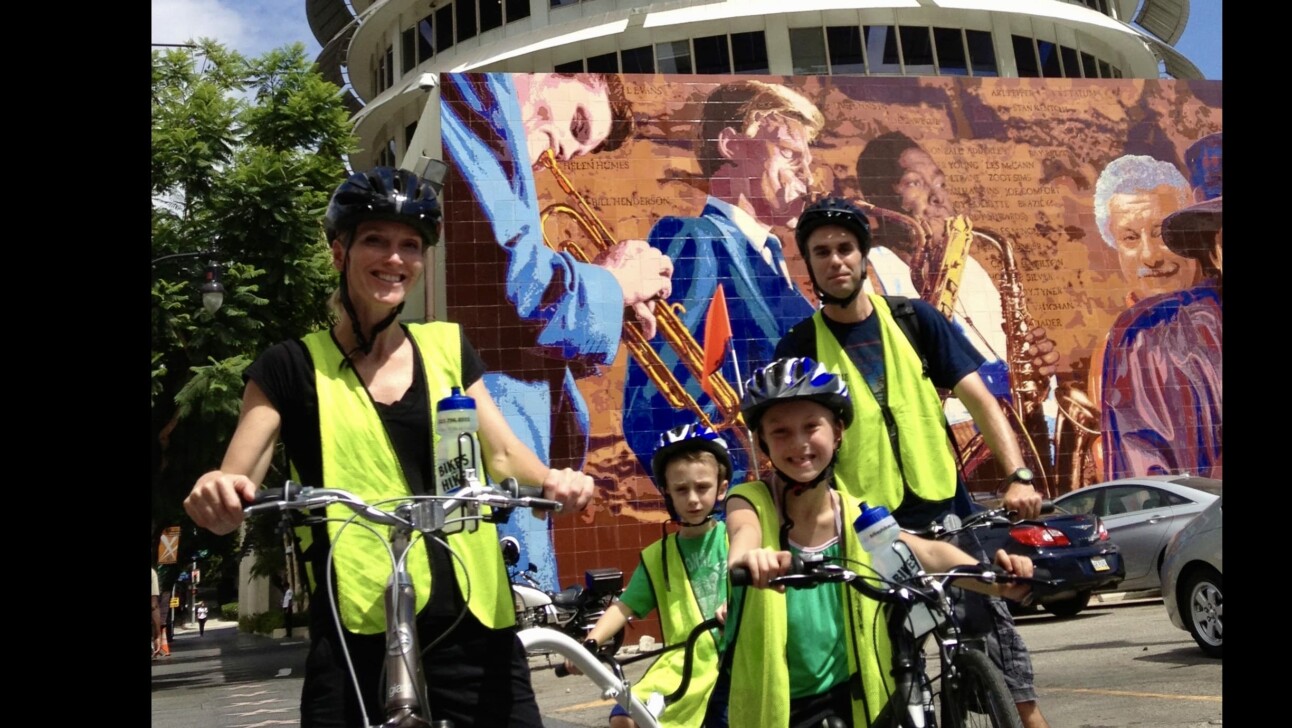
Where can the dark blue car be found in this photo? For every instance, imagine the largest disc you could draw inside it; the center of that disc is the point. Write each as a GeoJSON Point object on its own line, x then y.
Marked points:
{"type": "Point", "coordinates": [1073, 548]}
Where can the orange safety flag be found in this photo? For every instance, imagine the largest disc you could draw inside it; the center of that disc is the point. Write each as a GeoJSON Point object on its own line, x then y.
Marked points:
{"type": "Point", "coordinates": [717, 335]}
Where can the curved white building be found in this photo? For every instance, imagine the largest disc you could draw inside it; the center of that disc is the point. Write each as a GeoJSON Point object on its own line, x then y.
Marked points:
{"type": "Point", "coordinates": [385, 53]}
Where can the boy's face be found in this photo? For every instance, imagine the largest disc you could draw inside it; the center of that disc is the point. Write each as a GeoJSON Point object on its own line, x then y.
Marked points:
{"type": "Point", "coordinates": [801, 438]}
{"type": "Point", "coordinates": [694, 487]}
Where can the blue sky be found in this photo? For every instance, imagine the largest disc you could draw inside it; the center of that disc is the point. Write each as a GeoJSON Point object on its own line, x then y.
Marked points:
{"type": "Point", "coordinates": [255, 26]}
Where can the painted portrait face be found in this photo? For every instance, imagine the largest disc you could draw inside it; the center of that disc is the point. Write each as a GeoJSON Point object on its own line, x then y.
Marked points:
{"type": "Point", "coordinates": [1146, 262]}
{"type": "Point", "coordinates": [923, 189]}
{"type": "Point", "coordinates": [771, 165]}
{"type": "Point", "coordinates": [570, 115]}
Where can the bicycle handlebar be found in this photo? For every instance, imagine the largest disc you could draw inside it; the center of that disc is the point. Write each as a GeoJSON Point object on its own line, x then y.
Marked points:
{"type": "Point", "coordinates": [506, 495]}
{"type": "Point", "coordinates": [804, 574]}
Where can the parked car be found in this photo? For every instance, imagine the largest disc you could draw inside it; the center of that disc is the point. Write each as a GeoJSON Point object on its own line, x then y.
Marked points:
{"type": "Point", "coordinates": [1193, 579]}
{"type": "Point", "coordinates": [1141, 515]}
{"type": "Point", "coordinates": [1074, 549]}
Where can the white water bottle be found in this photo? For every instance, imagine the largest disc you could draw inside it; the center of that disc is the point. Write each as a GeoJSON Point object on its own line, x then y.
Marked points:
{"type": "Point", "coordinates": [877, 531]}
{"type": "Point", "coordinates": [458, 450]}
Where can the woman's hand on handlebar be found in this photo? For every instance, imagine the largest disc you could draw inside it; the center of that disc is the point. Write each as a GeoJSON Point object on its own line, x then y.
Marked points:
{"type": "Point", "coordinates": [217, 500]}
{"type": "Point", "coordinates": [763, 565]}
{"type": "Point", "coordinates": [571, 488]}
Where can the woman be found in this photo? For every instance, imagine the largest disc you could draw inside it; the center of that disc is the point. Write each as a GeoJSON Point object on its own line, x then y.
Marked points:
{"type": "Point", "coordinates": [354, 406]}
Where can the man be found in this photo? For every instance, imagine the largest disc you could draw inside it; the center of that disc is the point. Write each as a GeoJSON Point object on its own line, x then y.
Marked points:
{"type": "Point", "coordinates": [753, 148]}
{"type": "Point", "coordinates": [1134, 194]}
{"type": "Point", "coordinates": [895, 173]}
{"type": "Point", "coordinates": [912, 471]}
{"type": "Point", "coordinates": [562, 317]}
{"type": "Point", "coordinates": [1162, 372]}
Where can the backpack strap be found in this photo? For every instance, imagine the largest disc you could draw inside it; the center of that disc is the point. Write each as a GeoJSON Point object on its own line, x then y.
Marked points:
{"type": "Point", "coordinates": [904, 316]}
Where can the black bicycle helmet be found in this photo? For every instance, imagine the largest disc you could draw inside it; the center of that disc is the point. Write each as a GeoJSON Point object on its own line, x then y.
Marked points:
{"type": "Point", "coordinates": [794, 378]}
{"type": "Point", "coordinates": [832, 211]}
{"type": "Point", "coordinates": [385, 193]}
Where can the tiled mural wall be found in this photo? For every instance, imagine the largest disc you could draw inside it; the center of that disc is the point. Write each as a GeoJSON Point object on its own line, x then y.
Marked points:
{"type": "Point", "coordinates": [1038, 214]}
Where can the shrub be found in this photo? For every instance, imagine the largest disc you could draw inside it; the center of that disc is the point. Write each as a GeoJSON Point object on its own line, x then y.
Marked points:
{"type": "Point", "coordinates": [229, 612]}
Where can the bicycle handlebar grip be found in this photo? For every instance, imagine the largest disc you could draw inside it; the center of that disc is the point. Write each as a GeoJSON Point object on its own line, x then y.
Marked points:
{"type": "Point", "coordinates": [1047, 507]}
{"type": "Point", "coordinates": [740, 575]}
{"type": "Point", "coordinates": [270, 495]}
{"type": "Point", "coordinates": [561, 671]}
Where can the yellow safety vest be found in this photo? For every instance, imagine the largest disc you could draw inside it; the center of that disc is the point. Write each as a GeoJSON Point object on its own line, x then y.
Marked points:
{"type": "Point", "coordinates": [359, 457]}
{"type": "Point", "coordinates": [866, 468]}
{"type": "Point", "coordinates": [679, 613]}
{"type": "Point", "coordinates": [760, 680]}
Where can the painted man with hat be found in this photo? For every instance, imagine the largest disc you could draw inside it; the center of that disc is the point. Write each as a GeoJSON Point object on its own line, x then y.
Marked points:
{"type": "Point", "coordinates": [1162, 375]}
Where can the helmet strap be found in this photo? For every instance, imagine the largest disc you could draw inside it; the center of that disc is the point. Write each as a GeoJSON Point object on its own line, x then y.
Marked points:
{"type": "Point", "coordinates": [827, 299]}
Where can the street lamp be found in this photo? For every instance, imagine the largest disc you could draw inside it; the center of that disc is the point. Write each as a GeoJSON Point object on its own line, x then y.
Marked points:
{"type": "Point", "coordinates": [211, 289]}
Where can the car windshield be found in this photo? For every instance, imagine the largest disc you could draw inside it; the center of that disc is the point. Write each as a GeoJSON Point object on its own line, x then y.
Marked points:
{"type": "Point", "coordinates": [1206, 485]}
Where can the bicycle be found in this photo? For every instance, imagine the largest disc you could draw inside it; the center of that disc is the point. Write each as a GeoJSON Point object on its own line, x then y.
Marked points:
{"type": "Point", "coordinates": [406, 703]}
{"type": "Point", "coordinates": [604, 668]}
{"type": "Point", "coordinates": [967, 690]}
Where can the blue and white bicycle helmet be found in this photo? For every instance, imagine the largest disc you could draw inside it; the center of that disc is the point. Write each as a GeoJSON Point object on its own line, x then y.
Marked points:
{"type": "Point", "coordinates": [794, 378]}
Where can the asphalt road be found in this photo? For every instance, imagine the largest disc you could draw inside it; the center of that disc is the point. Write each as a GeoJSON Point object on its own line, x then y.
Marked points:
{"type": "Point", "coordinates": [1120, 664]}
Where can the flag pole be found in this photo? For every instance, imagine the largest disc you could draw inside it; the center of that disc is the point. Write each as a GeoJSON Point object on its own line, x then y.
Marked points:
{"type": "Point", "coordinates": [740, 388]}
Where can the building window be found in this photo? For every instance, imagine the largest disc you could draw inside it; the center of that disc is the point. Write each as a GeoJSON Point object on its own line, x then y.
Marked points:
{"type": "Point", "coordinates": [490, 14]}
{"type": "Point", "coordinates": [881, 49]}
{"type": "Point", "coordinates": [444, 28]}
{"type": "Point", "coordinates": [466, 19]}
{"type": "Point", "coordinates": [982, 54]}
{"type": "Point", "coordinates": [409, 131]}
{"type": "Point", "coordinates": [1071, 69]}
{"type": "Point", "coordinates": [604, 63]}
{"type": "Point", "coordinates": [571, 67]}
{"type": "Point", "coordinates": [1049, 54]}
{"type": "Point", "coordinates": [387, 156]}
{"type": "Point", "coordinates": [425, 40]}
{"type": "Point", "coordinates": [950, 45]}
{"type": "Point", "coordinates": [1025, 57]}
{"type": "Point", "coordinates": [407, 50]}
{"type": "Point", "coordinates": [559, 3]}
{"type": "Point", "coordinates": [517, 10]}
{"type": "Point", "coordinates": [846, 55]}
{"type": "Point", "coordinates": [749, 52]}
{"type": "Point", "coordinates": [386, 70]}
{"type": "Point", "coordinates": [917, 51]}
{"type": "Point", "coordinates": [1088, 66]}
{"type": "Point", "coordinates": [807, 51]}
{"type": "Point", "coordinates": [673, 56]}
{"type": "Point", "coordinates": [711, 55]}
{"type": "Point", "coordinates": [637, 60]}
{"type": "Point", "coordinates": [1105, 71]}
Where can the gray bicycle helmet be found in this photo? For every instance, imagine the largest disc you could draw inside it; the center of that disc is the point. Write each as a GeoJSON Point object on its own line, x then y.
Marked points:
{"type": "Point", "coordinates": [794, 378]}
{"type": "Point", "coordinates": [385, 193]}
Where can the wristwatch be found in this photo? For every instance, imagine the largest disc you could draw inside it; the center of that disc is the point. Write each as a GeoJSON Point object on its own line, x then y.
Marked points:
{"type": "Point", "coordinates": [1022, 475]}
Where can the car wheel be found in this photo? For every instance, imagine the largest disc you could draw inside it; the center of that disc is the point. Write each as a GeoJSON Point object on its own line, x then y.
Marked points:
{"type": "Point", "coordinates": [1065, 608]}
{"type": "Point", "coordinates": [1202, 604]}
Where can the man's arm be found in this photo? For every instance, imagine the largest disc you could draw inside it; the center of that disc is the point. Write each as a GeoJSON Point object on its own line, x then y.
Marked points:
{"type": "Point", "coordinates": [990, 419]}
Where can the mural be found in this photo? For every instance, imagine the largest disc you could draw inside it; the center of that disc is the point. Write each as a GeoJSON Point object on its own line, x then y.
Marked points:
{"type": "Point", "coordinates": [1071, 228]}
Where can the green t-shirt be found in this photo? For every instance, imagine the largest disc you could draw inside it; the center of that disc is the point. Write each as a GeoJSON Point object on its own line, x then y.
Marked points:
{"type": "Point", "coordinates": [705, 557]}
{"type": "Point", "coordinates": [815, 648]}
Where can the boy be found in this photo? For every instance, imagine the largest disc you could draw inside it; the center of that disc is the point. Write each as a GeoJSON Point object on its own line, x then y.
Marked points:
{"type": "Point", "coordinates": [683, 574]}
{"type": "Point", "coordinates": [798, 658]}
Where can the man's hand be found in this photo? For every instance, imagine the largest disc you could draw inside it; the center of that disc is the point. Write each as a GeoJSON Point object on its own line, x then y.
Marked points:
{"type": "Point", "coordinates": [645, 276]}
{"type": "Point", "coordinates": [1023, 499]}
{"type": "Point", "coordinates": [571, 488]}
{"type": "Point", "coordinates": [1019, 566]}
{"type": "Point", "coordinates": [216, 501]}
{"type": "Point", "coordinates": [1041, 349]}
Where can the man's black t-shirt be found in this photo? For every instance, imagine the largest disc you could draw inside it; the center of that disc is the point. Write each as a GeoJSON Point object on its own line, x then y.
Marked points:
{"type": "Point", "coordinates": [285, 372]}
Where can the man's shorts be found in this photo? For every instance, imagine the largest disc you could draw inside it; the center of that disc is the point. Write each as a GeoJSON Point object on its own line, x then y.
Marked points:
{"type": "Point", "coordinates": [990, 617]}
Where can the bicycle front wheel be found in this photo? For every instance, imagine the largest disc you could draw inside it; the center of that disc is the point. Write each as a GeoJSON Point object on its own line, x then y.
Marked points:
{"type": "Point", "coordinates": [974, 695]}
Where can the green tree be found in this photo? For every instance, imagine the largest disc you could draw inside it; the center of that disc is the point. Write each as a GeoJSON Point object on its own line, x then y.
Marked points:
{"type": "Point", "coordinates": [245, 153]}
